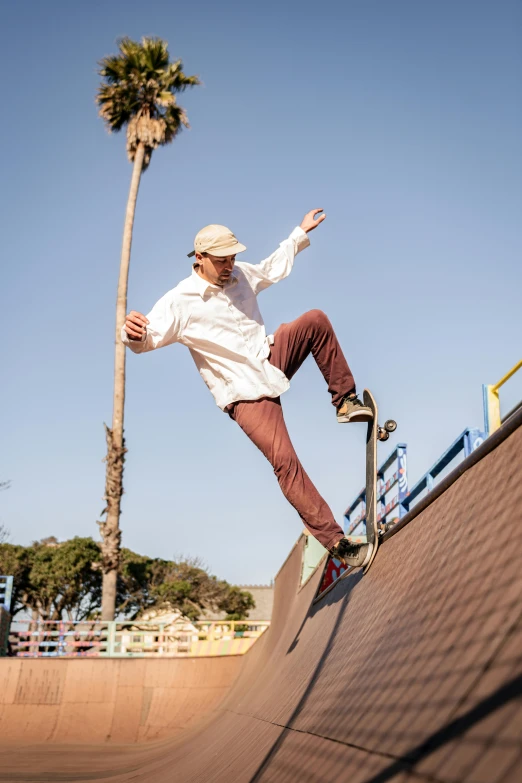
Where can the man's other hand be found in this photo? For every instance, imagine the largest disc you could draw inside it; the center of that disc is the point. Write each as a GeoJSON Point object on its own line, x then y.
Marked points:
{"type": "Point", "coordinates": [136, 325]}
{"type": "Point", "coordinates": [309, 222]}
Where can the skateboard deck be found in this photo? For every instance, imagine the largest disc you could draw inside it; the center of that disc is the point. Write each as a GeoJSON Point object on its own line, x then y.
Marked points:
{"type": "Point", "coordinates": [334, 572]}
{"type": "Point", "coordinates": [372, 435]}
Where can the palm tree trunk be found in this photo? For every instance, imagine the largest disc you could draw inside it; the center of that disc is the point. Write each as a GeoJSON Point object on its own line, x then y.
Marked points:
{"type": "Point", "coordinates": [110, 529]}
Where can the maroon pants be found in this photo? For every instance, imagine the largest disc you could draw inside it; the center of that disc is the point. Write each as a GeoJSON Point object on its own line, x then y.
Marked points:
{"type": "Point", "coordinates": [263, 421]}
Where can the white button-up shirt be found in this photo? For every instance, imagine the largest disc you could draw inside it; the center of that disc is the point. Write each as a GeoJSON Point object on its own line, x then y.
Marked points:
{"type": "Point", "coordinates": [223, 328]}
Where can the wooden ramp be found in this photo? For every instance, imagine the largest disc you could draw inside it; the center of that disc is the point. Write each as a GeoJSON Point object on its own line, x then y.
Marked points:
{"type": "Point", "coordinates": [411, 673]}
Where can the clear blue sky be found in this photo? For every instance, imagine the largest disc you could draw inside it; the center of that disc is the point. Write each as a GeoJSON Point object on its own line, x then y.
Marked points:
{"type": "Point", "coordinates": [401, 119]}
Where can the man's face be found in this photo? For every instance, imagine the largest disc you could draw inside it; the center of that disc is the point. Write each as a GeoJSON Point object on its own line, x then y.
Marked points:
{"type": "Point", "coordinates": [214, 269]}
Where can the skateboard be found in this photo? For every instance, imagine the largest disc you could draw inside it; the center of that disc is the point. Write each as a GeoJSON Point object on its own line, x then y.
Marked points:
{"type": "Point", "coordinates": [374, 434]}
{"type": "Point", "coordinates": [333, 572]}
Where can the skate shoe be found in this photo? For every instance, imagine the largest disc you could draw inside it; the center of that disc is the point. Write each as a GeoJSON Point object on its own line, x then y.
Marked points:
{"type": "Point", "coordinates": [351, 554]}
{"type": "Point", "coordinates": [352, 409]}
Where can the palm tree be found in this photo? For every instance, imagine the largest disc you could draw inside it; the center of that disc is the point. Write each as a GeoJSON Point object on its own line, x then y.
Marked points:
{"type": "Point", "coordinates": [138, 92]}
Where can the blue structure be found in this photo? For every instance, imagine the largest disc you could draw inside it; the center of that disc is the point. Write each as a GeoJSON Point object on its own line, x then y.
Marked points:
{"type": "Point", "coordinates": [467, 442]}
{"type": "Point", "coordinates": [6, 591]}
{"type": "Point", "coordinates": [401, 503]}
{"type": "Point", "coordinates": [386, 511]}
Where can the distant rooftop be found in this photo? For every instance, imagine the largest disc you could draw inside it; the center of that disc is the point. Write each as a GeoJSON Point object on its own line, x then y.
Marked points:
{"type": "Point", "coordinates": [263, 596]}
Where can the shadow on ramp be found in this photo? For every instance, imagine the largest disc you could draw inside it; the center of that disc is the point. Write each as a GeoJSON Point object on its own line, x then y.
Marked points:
{"type": "Point", "coordinates": [411, 673]}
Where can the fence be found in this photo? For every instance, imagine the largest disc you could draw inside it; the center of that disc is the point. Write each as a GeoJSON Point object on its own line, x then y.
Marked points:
{"type": "Point", "coordinates": [6, 591]}
{"type": "Point", "coordinates": [387, 508]}
{"type": "Point", "coordinates": [468, 441]}
{"type": "Point", "coordinates": [404, 500]}
{"type": "Point", "coordinates": [95, 639]}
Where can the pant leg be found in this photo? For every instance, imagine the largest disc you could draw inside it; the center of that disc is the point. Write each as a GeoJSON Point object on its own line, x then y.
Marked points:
{"type": "Point", "coordinates": [263, 422]}
{"type": "Point", "coordinates": [313, 333]}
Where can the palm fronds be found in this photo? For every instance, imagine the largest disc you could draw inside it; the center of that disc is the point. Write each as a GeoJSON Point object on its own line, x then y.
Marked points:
{"type": "Point", "coordinates": [138, 92]}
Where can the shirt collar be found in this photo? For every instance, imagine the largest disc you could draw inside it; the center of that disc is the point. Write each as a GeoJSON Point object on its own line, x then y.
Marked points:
{"type": "Point", "coordinates": [202, 286]}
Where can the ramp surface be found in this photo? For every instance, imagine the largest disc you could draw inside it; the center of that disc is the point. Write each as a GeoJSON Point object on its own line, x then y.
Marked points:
{"type": "Point", "coordinates": [410, 673]}
{"type": "Point", "coordinates": [108, 700]}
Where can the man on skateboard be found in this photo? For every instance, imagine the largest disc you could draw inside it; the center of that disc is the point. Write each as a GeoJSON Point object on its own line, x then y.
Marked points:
{"type": "Point", "coordinates": [214, 312]}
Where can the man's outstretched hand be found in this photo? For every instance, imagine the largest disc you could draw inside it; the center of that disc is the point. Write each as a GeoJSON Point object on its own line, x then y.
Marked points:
{"type": "Point", "coordinates": [309, 222]}
{"type": "Point", "coordinates": [136, 325]}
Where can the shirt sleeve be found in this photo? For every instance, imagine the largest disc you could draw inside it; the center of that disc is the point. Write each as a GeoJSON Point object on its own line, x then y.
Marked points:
{"type": "Point", "coordinates": [278, 265]}
{"type": "Point", "coordinates": [164, 327]}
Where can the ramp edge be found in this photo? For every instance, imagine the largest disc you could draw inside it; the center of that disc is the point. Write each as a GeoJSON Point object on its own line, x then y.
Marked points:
{"type": "Point", "coordinates": [490, 444]}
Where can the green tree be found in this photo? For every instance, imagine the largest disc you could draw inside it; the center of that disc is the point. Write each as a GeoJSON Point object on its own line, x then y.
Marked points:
{"type": "Point", "coordinates": [136, 575]}
{"type": "Point", "coordinates": [64, 580]}
{"type": "Point", "coordinates": [236, 603]}
{"type": "Point", "coordinates": [53, 580]}
{"type": "Point", "coordinates": [147, 583]}
{"type": "Point", "coordinates": [56, 580]}
{"type": "Point", "coordinates": [138, 92]}
{"type": "Point", "coordinates": [16, 561]}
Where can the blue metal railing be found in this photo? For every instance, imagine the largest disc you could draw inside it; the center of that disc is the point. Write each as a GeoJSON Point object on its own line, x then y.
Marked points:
{"type": "Point", "coordinates": [399, 478]}
{"type": "Point", "coordinates": [6, 592]}
{"type": "Point", "coordinates": [401, 503]}
{"type": "Point", "coordinates": [467, 442]}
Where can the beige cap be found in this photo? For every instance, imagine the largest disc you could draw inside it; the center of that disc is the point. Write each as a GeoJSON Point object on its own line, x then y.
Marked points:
{"type": "Point", "coordinates": [217, 240]}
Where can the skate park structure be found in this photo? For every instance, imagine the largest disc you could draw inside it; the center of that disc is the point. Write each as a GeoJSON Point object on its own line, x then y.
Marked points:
{"type": "Point", "coordinates": [409, 673]}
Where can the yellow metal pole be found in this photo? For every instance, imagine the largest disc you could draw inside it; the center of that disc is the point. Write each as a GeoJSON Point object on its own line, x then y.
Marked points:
{"type": "Point", "coordinates": [492, 401]}
{"type": "Point", "coordinates": [493, 407]}
{"type": "Point", "coordinates": [506, 377]}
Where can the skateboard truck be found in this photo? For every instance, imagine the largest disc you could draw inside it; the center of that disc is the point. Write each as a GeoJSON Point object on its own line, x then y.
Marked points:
{"type": "Point", "coordinates": [383, 433]}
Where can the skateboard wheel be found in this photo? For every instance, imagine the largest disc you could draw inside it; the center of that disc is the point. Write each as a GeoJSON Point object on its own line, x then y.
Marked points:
{"type": "Point", "coordinates": [390, 425]}
{"type": "Point", "coordinates": [383, 434]}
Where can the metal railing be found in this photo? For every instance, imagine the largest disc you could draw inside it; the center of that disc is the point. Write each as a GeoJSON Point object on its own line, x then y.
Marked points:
{"type": "Point", "coordinates": [467, 442]}
{"type": "Point", "coordinates": [125, 639]}
{"type": "Point", "coordinates": [492, 416]}
{"type": "Point", "coordinates": [386, 507]}
{"type": "Point", "coordinates": [6, 592]}
{"type": "Point", "coordinates": [389, 509]}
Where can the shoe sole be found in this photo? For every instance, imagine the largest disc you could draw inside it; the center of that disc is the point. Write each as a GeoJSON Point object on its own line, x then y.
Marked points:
{"type": "Point", "coordinates": [365, 561]}
{"type": "Point", "coordinates": [368, 555]}
{"type": "Point", "coordinates": [357, 417]}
